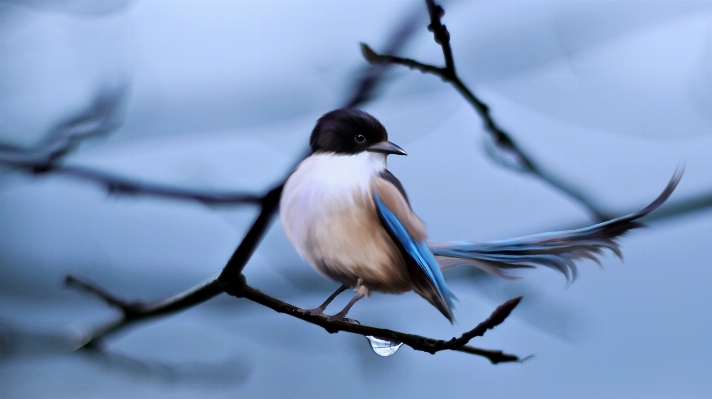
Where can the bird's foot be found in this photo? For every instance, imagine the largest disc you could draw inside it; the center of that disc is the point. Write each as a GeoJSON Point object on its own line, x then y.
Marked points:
{"type": "Point", "coordinates": [313, 312]}
{"type": "Point", "coordinates": [340, 317]}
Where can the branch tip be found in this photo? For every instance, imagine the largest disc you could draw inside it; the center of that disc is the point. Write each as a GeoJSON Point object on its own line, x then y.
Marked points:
{"type": "Point", "coordinates": [369, 54]}
{"type": "Point", "coordinates": [503, 311]}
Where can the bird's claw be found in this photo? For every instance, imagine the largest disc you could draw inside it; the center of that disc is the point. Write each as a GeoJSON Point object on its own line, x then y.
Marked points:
{"type": "Point", "coordinates": [312, 312]}
{"type": "Point", "coordinates": [338, 317]}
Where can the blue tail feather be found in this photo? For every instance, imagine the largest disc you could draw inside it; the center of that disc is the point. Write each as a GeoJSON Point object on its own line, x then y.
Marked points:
{"type": "Point", "coordinates": [558, 250]}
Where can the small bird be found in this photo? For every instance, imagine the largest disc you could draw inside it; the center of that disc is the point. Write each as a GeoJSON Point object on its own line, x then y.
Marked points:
{"type": "Point", "coordinates": [351, 219]}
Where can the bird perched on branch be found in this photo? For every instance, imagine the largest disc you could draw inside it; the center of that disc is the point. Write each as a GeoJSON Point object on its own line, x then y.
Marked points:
{"type": "Point", "coordinates": [350, 218]}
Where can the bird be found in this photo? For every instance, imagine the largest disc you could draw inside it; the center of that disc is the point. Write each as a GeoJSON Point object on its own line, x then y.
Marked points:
{"type": "Point", "coordinates": [350, 218]}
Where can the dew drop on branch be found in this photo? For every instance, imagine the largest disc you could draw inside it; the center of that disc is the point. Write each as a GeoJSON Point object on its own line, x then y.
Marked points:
{"type": "Point", "coordinates": [383, 347]}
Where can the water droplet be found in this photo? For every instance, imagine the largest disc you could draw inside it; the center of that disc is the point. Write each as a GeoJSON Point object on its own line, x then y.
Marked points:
{"type": "Point", "coordinates": [383, 347]}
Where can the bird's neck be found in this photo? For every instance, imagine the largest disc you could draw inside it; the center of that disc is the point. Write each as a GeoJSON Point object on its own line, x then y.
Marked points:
{"type": "Point", "coordinates": [343, 170]}
{"type": "Point", "coordinates": [364, 163]}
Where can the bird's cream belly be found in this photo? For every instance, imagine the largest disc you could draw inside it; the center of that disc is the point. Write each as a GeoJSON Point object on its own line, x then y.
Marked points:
{"type": "Point", "coordinates": [348, 246]}
{"type": "Point", "coordinates": [346, 242]}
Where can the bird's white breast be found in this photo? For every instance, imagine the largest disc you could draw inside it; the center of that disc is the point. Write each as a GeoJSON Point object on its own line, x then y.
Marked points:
{"type": "Point", "coordinates": [328, 214]}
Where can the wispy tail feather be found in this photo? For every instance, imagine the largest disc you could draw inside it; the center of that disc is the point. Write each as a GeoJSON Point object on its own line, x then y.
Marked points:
{"type": "Point", "coordinates": [558, 250]}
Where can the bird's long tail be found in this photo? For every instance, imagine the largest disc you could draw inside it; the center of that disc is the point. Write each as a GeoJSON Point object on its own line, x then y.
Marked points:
{"type": "Point", "coordinates": [558, 250]}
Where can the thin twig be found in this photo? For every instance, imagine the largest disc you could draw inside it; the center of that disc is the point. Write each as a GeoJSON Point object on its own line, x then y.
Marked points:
{"type": "Point", "coordinates": [500, 137]}
{"type": "Point", "coordinates": [100, 118]}
{"type": "Point", "coordinates": [133, 312]}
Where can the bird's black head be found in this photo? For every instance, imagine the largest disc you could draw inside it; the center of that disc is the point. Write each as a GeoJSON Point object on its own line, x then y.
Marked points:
{"type": "Point", "coordinates": [350, 131]}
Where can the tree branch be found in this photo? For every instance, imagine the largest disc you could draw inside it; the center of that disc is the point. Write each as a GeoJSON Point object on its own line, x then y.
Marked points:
{"type": "Point", "coordinates": [502, 140]}
{"type": "Point", "coordinates": [416, 342]}
{"type": "Point", "coordinates": [123, 186]}
{"type": "Point", "coordinates": [101, 118]}
{"type": "Point", "coordinates": [133, 312]}
{"type": "Point", "coordinates": [233, 269]}
{"type": "Point", "coordinates": [440, 34]}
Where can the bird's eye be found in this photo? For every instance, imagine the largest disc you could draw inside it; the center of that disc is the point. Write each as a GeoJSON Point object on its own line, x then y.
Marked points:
{"type": "Point", "coordinates": [360, 138]}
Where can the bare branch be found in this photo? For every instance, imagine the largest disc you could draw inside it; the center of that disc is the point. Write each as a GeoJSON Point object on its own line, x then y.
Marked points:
{"type": "Point", "coordinates": [136, 311]}
{"type": "Point", "coordinates": [90, 287]}
{"type": "Point", "coordinates": [123, 186]}
{"type": "Point", "coordinates": [99, 118]}
{"type": "Point", "coordinates": [503, 141]}
{"type": "Point", "coordinates": [440, 34]}
{"type": "Point", "coordinates": [416, 342]}
{"type": "Point", "coordinates": [374, 58]}
{"type": "Point", "coordinates": [233, 269]}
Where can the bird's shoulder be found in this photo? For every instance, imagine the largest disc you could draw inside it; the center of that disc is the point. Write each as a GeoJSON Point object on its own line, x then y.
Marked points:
{"type": "Point", "coordinates": [389, 177]}
{"type": "Point", "coordinates": [391, 192]}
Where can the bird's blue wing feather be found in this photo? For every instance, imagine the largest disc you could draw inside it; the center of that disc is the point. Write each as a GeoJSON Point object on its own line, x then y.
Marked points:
{"type": "Point", "coordinates": [418, 251]}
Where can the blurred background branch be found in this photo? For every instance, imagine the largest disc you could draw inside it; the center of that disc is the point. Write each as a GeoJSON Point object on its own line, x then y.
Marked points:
{"type": "Point", "coordinates": [100, 118]}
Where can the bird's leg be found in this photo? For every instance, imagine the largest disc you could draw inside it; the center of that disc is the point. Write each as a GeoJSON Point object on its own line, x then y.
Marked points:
{"type": "Point", "coordinates": [361, 291]}
{"type": "Point", "coordinates": [319, 311]}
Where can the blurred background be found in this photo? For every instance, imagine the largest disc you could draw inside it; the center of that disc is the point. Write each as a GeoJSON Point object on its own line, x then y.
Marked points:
{"type": "Point", "coordinates": [221, 96]}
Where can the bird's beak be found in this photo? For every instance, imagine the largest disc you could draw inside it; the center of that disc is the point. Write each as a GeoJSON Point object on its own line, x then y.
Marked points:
{"type": "Point", "coordinates": [387, 147]}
